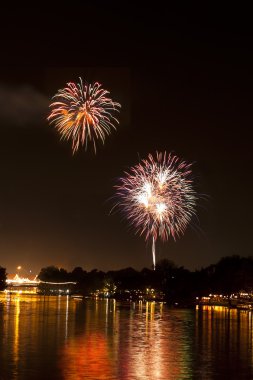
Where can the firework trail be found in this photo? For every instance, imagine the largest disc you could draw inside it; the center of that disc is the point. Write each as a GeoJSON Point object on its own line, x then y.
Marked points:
{"type": "Point", "coordinates": [157, 197]}
{"type": "Point", "coordinates": [83, 112]}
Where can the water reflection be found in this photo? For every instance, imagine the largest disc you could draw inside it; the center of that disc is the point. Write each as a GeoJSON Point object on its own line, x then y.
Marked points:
{"type": "Point", "coordinates": [150, 342]}
{"type": "Point", "coordinates": [127, 342]}
{"type": "Point", "coordinates": [62, 338]}
{"type": "Point", "coordinates": [224, 342]}
{"type": "Point", "coordinates": [89, 353]}
{"type": "Point", "coordinates": [16, 334]}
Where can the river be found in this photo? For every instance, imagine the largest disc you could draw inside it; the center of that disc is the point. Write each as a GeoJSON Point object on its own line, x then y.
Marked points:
{"type": "Point", "coordinates": [65, 338]}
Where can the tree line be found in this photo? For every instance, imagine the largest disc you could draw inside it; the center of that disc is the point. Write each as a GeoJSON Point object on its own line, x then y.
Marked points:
{"type": "Point", "coordinates": [230, 275]}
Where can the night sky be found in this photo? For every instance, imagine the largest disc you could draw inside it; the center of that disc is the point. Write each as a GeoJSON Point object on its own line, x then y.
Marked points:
{"type": "Point", "coordinates": [184, 79]}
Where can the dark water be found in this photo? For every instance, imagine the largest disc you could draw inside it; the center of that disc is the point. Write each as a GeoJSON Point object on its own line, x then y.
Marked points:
{"type": "Point", "coordinates": [62, 338]}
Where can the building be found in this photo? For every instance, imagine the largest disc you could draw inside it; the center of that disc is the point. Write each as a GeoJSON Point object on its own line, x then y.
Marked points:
{"type": "Point", "coordinates": [32, 285]}
{"type": "Point", "coordinates": [17, 284]}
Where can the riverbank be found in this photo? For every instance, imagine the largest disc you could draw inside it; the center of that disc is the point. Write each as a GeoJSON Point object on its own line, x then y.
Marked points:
{"type": "Point", "coordinates": [241, 300]}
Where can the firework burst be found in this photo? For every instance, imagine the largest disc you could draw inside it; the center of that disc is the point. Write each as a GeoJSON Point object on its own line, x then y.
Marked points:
{"type": "Point", "coordinates": [83, 112]}
{"type": "Point", "coordinates": [157, 197]}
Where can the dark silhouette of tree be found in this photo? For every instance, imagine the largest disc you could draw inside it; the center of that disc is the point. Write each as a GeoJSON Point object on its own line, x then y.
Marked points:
{"type": "Point", "coordinates": [94, 280]}
{"type": "Point", "coordinates": [233, 273]}
{"type": "Point", "coordinates": [126, 279]}
{"type": "Point", "coordinates": [78, 275]}
{"type": "Point", "coordinates": [3, 277]}
{"type": "Point", "coordinates": [180, 286]}
{"type": "Point", "coordinates": [53, 274]}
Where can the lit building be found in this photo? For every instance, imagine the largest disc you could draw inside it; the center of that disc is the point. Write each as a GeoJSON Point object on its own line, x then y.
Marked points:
{"type": "Point", "coordinates": [17, 284]}
{"type": "Point", "coordinates": [32, 285]}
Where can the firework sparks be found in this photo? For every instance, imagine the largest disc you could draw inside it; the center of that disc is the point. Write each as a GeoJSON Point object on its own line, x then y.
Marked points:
{"type": "Point", "coordinates": [157, 197]}
{"type": "Point", "coordinates": [83, 112]}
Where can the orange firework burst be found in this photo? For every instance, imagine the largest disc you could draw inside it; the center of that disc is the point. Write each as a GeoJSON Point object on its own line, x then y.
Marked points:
{"type": "Point", "coordinates": [83, 112]}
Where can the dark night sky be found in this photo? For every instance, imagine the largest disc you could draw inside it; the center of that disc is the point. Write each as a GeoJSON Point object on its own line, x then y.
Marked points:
{"type": "Point", "coordinates": [184, 79]}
